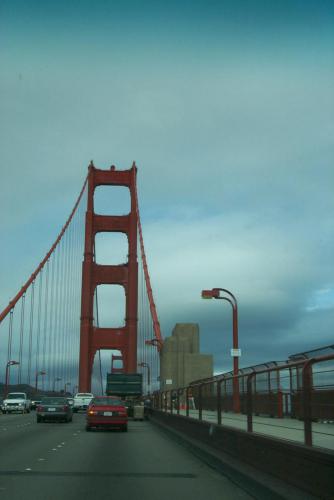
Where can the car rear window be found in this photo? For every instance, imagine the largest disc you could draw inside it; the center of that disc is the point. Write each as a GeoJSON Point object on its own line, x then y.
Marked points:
{"type": "Point", "coordinates": [54, 401]}
{"type": "Point", "coordinates": [107, 402]}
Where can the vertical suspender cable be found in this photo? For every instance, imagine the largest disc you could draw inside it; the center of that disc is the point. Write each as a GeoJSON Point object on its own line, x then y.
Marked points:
{"type": "Point", "coordinates": [100, 368]}
{"type": "Point", "coordinates": [156, 324]}
{"type": "Point", "coordinates": [45, 320]}
{"type": "Point", "coordinates": [31, 324]}
{"type": "Point", "coordinates": [39, 320]}
{"type": "Point", "coordinates": [12, 303]}
{"type": "Point", "coordinates": [63, 307]}
{"type": "Point", "coordinates": [97, 324]}
{"type": "Point", "coordinates": [45, 316]}
{"type": "Point", "coordinates": [10, 337]}
{"type": "Point", "coordinates": [66, 301]}
{"type": "Point", "coordinates": [19, 371]}
{"type": "Point", "coordinates": [53, 313]}
{"type": "Point", "coordinates": [57, 371]}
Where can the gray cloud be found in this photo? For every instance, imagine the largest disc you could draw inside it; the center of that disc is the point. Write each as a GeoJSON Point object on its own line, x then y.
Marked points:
{"type": "Point", "coordinates": [234, 145]}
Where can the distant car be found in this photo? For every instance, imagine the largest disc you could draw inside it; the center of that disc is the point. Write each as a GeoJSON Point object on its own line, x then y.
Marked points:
{"type": "Point", "coordinates": [82, 400]}
{"type": "Point", "coordinates": [107, 412]}
{"type": "Point", "coordinates": [16, 401]}
{"type": "Point", "coordinates": [54, 408]}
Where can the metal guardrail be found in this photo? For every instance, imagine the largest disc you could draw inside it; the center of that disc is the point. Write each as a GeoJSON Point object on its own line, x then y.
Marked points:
{"type": "Point", "coordinates": [293, 390]}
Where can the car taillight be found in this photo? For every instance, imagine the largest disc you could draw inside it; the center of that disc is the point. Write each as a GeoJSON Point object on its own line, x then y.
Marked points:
{"type": "Point", "coordinates": [92, 412]}
{"type": "Point", "coordinates": [65, 407]}
{"type": "Point", "coordinates": [122, 413]}
{"type": "Point", "coordinates": [39, 408]}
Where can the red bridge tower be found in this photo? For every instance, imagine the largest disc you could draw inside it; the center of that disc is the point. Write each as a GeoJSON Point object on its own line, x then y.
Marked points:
{"type": "Point", "coordinates": [123, 338]}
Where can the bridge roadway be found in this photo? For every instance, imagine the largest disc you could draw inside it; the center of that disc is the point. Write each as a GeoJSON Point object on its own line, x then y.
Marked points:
{"type": "Point", "coordinates": [62, 461]}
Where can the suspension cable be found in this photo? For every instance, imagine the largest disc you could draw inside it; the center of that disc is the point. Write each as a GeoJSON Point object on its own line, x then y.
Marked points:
{"type": "Point", "coordinates": [46, 258]}
{"type": "Point", "coordinates": [19, 372]}
{"type": "Point", "coordinates": [10, 336]}
{"type": "Point", "coordinates": [31, 324]}
{"type": "Point", "coordinates": [97, 324]}
{"type": "Point", "coordinates": [156, 324]}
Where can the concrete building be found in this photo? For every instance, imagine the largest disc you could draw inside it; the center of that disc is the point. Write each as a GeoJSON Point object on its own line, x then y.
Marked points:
{"type": "Point", "coordinates": [181, 361]}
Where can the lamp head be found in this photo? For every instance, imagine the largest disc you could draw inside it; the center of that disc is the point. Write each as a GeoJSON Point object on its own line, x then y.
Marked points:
{"type": "Point", "coordinates": [210, 294]}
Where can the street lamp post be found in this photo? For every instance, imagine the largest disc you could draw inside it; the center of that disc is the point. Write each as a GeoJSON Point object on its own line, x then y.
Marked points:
{"type": "Point", "coordinates": [146, 365]}
{"type": "Point", "coordinates": [8, 365]}
{"type": "Point", "coordinates": [36, 378]}
{"type": "Point", "coordinates": [57, 379]}
{"type": "Point", "coordinates": [215, 294]}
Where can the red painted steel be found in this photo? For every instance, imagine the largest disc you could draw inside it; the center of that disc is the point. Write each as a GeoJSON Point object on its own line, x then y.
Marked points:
{"type": "Point", "coordinates": [124, 338]}
{"type": "Point", "coordinates": [34, 275]}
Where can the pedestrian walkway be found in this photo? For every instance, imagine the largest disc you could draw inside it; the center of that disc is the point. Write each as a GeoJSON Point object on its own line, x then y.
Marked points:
{"type": "Point", "coordinates": [282, 428]}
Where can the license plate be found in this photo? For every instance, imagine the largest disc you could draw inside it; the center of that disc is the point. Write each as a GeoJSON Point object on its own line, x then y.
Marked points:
{"type": "Point", "coordinates": [51, 409]}
{"type": "Point", "coordinates": [107, 413]}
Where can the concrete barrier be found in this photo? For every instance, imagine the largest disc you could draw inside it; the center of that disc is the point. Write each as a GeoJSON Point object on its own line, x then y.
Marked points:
{"type": "Point", "coordinates": [308, 469]}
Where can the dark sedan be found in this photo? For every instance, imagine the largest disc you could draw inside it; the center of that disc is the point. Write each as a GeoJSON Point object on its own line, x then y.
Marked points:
{"type": "Point", "coordinates": [54, 408]}
{"type": "Point", "coordinates": [107, 412]}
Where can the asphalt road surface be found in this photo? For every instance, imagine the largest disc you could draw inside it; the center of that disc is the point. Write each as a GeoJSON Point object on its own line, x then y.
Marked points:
{"type": "Point", "coordinates": [61, 461]}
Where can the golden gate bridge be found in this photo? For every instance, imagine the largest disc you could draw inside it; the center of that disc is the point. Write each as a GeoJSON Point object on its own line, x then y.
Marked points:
{"type": "Point", "coordinates": [51, 327]}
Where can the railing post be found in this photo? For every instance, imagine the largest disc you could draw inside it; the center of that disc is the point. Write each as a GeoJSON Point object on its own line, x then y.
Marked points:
{"type": "Point", "coordinates": [178, 402]}
{"type": "Point", "coordinates": [307, 401]}
{"type": "Point", "coordinates": [287, 404]}
{"type": "Point", "coordinates": [219, 402]}
{"type": "Point", "coordinates": [279, 403]}
{"type": "Point", "coordinates": [187, 401]}
{"type": "Point", "coordinates": [250, 402]}
{"type": "Point", "coordinates": [200, 402]}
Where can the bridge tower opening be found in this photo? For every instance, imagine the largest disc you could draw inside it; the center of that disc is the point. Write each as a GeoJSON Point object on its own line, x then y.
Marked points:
{"type": "Point", "coordinates": [92, 337]}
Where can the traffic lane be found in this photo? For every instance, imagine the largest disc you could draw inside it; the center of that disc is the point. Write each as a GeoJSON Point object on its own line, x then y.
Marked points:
{"type": "Point", "coordinates": [11, 424]}
{"type": "Point", "coordinates": [12, 419]}
{"type": "Point", "coordinates": [24, 441]}
{"type": "Point", "coordinates": [142, 463]}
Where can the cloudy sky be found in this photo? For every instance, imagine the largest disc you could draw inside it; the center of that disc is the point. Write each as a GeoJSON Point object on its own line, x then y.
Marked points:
{"type": "Point", "coordinates": [227, 107]}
